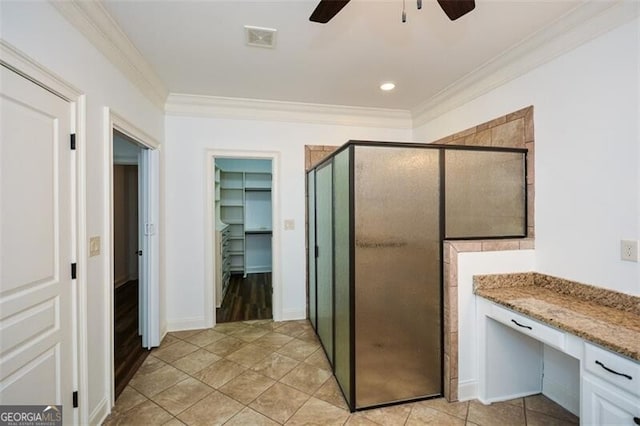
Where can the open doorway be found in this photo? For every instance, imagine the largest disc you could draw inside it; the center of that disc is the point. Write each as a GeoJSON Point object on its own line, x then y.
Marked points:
{"type": "Point", "coordinates": [128, 349]}
{"type": "Point", "coordinates": [126, 145]}
{"type": "Point", "coordinates": [243, 239]}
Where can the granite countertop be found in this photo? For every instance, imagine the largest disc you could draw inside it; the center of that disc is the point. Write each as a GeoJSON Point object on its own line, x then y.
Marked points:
{"type": "Point", "coordinates": [605, 317]}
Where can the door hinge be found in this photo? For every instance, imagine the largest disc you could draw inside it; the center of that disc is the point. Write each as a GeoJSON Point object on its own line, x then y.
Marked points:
{"type": "Point", "coordinates": [317, 251]}
{"type": "Point", "coordinates": [74, 270]}
{"type": "Point", "coordinates": [73, 141]}
{"type": "Point", "coordinates": [75, 399]}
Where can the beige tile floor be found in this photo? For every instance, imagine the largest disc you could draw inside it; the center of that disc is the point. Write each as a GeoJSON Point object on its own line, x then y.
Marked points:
{"type": "Point", "coordinates": [269, 373]}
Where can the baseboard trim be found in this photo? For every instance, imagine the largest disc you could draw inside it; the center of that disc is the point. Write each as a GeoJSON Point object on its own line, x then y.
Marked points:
{"type": "Point", "coordinates": [503, 398]}
{"type": "Point", "coordinates": [100, 413]}
{"type": "Point", "coordinates": [186, 324]}
{"type": "Point", "coordinates": [467, 390]}
{"type": "Point", "coordinates": [293, 314]}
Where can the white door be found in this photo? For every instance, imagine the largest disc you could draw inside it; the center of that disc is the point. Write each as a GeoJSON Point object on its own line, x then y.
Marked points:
{"type": "Point", "coordinates": [148, 201]}
{"type": "Point", "coordinates": [36, 327]}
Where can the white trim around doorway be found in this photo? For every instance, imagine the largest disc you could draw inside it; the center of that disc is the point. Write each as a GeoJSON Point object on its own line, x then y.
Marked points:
{"type": "Point", "coordinates": [209, 288]}
{"type": "Point", "coordinates": [114, 121]}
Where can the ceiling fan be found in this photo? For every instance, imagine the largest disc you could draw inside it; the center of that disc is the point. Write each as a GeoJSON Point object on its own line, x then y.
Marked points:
{"type": "Point", "coordinates": [327, 9]}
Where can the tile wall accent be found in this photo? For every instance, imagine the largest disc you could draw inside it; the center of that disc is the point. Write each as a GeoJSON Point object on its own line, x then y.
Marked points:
{"type": "Point", "coordinates": [313, 154]}
{"type": "Point", "coordinates": [513, 130]}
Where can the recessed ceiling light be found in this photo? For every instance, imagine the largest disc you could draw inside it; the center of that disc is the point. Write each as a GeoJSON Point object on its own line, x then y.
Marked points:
{"type": "Point", "coordinates": [387, 86]}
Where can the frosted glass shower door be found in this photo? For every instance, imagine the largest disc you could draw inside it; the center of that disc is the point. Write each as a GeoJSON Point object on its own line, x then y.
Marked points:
{"type": "Point", "coordinates": [341, 267]}
{"type": "Point", "coordinates": [324, 260]}
{"type": "Point", "coordinates": [485, 194]}
{"type": "Point", "coordinates": [311, 231]}
{"type": "Point", "coordinates": [397, 274]}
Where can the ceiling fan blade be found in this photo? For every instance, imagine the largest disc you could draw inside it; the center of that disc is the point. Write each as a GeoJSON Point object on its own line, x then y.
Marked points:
{"type": "Point", "coordinates": [457, 8]}
{"type": "Point", "coordinates": [326, 10]}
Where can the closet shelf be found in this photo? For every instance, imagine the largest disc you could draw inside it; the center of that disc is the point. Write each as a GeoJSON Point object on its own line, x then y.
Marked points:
{"type": "Point", "coordinates": [245, 204]}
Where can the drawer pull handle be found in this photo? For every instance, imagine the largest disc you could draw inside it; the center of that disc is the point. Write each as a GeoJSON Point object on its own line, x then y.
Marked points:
{"type": "Point", "coordinates": [521, 325]}
{"type": "Point", "coordinates": [636, 420]}
{"type": "Point", "coordinates": [613, 371]}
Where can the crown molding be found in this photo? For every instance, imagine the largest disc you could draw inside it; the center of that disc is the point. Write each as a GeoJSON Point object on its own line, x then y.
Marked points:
{"type": "Point", "coordinates": [257, 109]}
{"type": "Point", "coordinates": [576, 27]}
{"type": "Point", "coordinates": [96, 24]}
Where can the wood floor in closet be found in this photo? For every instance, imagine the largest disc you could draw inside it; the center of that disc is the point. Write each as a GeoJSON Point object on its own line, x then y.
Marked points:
{"type": "Point", "coordinates": [247, 299]}
{"type": "Point", "coordinates": [128, 351]}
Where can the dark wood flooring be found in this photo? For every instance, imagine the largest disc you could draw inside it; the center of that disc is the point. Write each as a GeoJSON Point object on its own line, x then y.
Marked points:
{"type": "Point", "coordinates": [247, 299]}
{"type": "Point", "coordinates": [128, 351]}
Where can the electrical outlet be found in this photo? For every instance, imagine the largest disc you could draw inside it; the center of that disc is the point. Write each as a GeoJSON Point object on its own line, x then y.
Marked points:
{"type": "Point", "coordinates": [629, 250]}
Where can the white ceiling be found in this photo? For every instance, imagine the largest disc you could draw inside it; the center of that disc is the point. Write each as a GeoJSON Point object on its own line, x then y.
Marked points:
{"type": "Point", "coordinates": [198, 47]}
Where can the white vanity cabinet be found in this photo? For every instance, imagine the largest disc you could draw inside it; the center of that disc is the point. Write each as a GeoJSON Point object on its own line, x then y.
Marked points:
{"type": "Point", "coordinates": [604, 404]}
{"type": "Point", "coordinates": [610, 388]}
{"type": "Point", "coordinates": [511, 365]}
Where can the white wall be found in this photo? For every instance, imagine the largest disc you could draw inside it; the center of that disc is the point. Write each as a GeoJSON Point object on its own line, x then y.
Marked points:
{"type": "Point", "coordinates": [187, 139]}
{"type": "Point", "coordinates": [561, 379]}
{"type": "Point", "coordinates": [587, 132]}
{"type": "Point", "coordinates": [38, 30]}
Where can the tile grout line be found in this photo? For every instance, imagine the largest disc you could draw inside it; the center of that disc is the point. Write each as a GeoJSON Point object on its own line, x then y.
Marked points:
{"type": "Point", "coordinates": [295, 337]}
{"type": "Point", "coordinates": [466, 414]}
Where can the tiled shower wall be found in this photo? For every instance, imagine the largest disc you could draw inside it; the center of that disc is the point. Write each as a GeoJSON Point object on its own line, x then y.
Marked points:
{"type": "Point", "coordinates": [514, 130]}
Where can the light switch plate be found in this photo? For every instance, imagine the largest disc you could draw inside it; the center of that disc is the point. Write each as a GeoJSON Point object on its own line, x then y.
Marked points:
{"type": "Point", "coordinates": [94, 246]}
{"type": "Point", "coordinates": [289, 224]}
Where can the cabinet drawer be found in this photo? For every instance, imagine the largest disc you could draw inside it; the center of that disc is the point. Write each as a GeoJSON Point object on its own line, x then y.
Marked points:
{"type": "Point", "coordinates": [622, 372]}
{"type": "Point", "coordinates": [528, 326]}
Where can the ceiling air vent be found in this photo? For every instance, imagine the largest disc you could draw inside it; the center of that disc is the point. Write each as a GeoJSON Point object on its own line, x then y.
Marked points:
{"type": "Point", "coordinates": [260, 37]}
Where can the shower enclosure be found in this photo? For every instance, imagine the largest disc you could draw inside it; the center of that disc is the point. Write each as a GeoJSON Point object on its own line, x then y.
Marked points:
{"type": "Point", "coordinates": [378, 213]}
